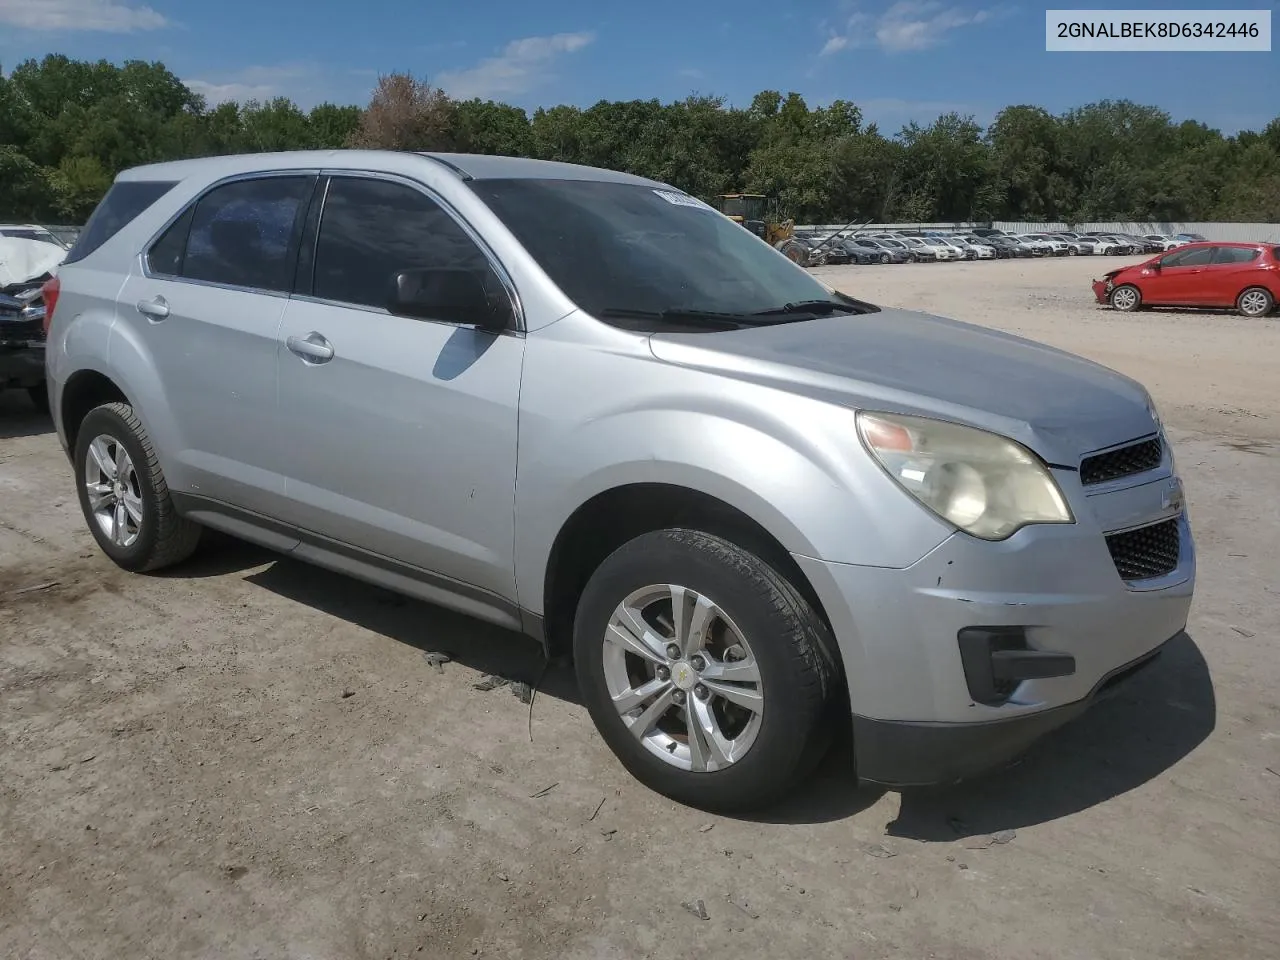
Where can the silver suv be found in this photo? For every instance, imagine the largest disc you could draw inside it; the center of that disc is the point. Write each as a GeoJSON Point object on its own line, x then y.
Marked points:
{"type": "Point", "coordinates": [589, 407]}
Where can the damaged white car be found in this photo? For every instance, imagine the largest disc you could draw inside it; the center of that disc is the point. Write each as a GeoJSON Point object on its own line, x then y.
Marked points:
{"type": "Point", "coordinates": [25, 266]}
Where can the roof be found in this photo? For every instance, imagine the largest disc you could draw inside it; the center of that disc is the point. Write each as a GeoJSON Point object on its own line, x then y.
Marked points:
{"type": "Point", "coordinates": [472, 166]}
{"type": "Point", "coordinates": [480, 166]}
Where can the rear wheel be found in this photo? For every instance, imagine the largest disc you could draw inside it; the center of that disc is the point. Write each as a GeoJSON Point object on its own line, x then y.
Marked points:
{"type": "Point", "coordinates": [704, 670]}
{"type": "Point", "coordinates": [123, 493]}
{"type": "Point", "coordinates": [1126, 297]}
{"type": "Point", "coordinates": [1255, 302]}
{"type": "Point", "coordinates": [885, 258]}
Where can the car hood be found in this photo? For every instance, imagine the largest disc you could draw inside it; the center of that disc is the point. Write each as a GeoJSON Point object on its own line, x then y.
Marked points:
{"type": "Point", "coordinates": [1054, 402]}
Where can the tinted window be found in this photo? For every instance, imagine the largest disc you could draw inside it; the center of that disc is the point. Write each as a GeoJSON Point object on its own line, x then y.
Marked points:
{"type": "Point", "coordinates": [244, 234]}
{"type": "Point", "coordinates": [370, 230]}
{"type": "Point", "coordinates": [1199, 257]}
{"type": "Point", "coordinates": [167, 253]}
{"type": "Point", "coordinates": [122, 204]}
{"type": "Point", "coordinates": [1235, 254]}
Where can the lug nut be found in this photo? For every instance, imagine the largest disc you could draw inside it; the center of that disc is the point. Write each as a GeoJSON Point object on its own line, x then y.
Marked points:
{"type": "Point", "coordinates": [673, 651]}
{"type": "Point", "coordinates": [698, 662]}
{"type": "Point", "coordinates": [701, 692]}
{"type": "Point", "coordinates": [663, 673]}
{"type": "Point", "coordinates": [678, 697]}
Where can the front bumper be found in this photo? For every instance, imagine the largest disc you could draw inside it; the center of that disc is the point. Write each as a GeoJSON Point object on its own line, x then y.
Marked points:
{"type": "Point", "coordinates": [899, 753]}
{"type": "Point", "coordinates": [1055, 589]}
{"type": "Point", "coordinates": [1102, 291]}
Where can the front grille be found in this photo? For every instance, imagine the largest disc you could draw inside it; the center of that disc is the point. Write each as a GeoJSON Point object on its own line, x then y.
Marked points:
{"type": "Point", "coordinates": [1114, 464]}
{"type": "Point", "coordinates": [1146, 552]}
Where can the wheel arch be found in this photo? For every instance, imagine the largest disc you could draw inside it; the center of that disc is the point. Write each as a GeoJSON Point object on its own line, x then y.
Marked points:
{"type": "Point", "coordinates": [84, 390]}
{"type": "Point", "coordinates": [619, 514]}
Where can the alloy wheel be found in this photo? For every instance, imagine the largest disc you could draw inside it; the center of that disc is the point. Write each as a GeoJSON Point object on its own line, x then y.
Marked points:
{"type": "Point", "coordinates": [1254, 303]}
{"type": "Point", "coordinates": [1124, 299]}
{"type": "Point", "coordinates": [683, 678]}
{"type": "Point", "coordinates": [114, 494]}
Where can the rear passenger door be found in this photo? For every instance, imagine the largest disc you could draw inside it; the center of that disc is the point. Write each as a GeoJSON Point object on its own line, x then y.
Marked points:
{"type": "Point", "coordinates": [1229, 273]}
{"type": "Point", "coordinates": [206, 307]}
{"type": "Point", "coordinates": [397, 434]}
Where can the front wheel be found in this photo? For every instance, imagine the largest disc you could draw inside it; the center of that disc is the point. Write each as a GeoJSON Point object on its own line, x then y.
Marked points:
{"type": "Point", "coordinates": [1255, 302]}
{"type": "Point", "coordinates": [1126, 297]}
{"type": "Point", "coordinates": [705, 671]}
{"type": "Point", "coordinates": [123, 493]}
{"type": "Point", "coordinates": [885, 258]}
{"type": "Point", "coordinates": [1072, 251]}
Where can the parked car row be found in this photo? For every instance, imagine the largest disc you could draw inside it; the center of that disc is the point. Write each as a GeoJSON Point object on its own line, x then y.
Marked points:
{"type": "Point", "coordinates": [919, 246]}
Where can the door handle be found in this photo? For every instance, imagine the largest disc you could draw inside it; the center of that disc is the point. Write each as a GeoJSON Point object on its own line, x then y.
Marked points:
{"type": "Point", "coordinates": [156, 308]}
{"type": "Point", "coordinates": [313, 348]}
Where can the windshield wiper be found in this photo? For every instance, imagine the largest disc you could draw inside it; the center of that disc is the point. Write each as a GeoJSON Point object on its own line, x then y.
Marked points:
{"type": "Point", "coordinates": [812, 306]}
{"type": "Point", "coordinates": [686, 314]}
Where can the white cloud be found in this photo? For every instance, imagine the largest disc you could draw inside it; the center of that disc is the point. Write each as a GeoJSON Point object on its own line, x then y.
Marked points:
{"type": "Point", "coordinates": [921, 24]}
{"type": "Point", "coordinates": [521, 65]}
{"type": "Point", "coordinates": [907, 25]}
{"type": "Point", "coordinates": [255, 83]}
{"type": "Point", "coordinates": [104, 16]}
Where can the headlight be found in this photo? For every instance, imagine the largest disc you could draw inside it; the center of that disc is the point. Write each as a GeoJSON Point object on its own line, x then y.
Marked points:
{"type": "Point", "coordinates": [985, 484]}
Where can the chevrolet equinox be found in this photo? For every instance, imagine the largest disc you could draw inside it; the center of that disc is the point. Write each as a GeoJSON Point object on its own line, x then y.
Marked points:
{"type": "Point", "coordinates": [588, 407]}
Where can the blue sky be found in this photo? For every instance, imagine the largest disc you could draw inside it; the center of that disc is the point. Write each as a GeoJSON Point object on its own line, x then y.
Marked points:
{"type": "Point", "coordinates": [898, 59]}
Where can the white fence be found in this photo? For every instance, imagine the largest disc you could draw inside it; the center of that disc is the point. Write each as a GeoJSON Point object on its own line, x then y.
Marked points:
{"type": "Point", "coordinates": [1226, 232]}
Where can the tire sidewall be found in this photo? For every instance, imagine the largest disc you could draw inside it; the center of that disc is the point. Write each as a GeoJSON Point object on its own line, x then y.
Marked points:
{"type": "Point", "coordinates": [106, 421]}
{"type": "Point", "coordinates": [784, 732]}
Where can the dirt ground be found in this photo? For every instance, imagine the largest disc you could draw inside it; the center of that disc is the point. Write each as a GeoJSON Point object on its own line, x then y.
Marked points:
{"type": "Point", "coordinates": [249, 758]}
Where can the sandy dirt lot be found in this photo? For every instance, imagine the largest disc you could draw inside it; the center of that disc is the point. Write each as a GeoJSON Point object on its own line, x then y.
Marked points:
{"type": "Point", "coordinates": [249, 758]}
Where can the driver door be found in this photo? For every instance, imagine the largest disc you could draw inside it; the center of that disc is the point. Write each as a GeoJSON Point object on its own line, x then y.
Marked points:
{"type": "Point", "coordinates": [1179, 279]}
{"type": "Point", "coordinates": [397, 433]}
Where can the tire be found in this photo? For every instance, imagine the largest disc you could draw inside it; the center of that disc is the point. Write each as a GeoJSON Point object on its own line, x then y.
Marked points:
{"type": "Point", "coordinates": [1255, 302]}
{"type": "Point", "coordinates": [39, 395]}
{"type": "Point", "coordinates": [795, 252]}
{"type": "Point", "coordinates": [885, 258]}
{"type": "Point", "coordinates": [153, 534]}
{"type": "Point", "coordinates": [753, 608]}
{"type": "Point", "coordinates": [1127, 301]}
{"type": "Point", "coordinates": [1072, 251]}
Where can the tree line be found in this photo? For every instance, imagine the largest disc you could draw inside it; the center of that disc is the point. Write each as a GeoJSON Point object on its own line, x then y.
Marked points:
{"type": "Point", "coordinates": [67, 127]}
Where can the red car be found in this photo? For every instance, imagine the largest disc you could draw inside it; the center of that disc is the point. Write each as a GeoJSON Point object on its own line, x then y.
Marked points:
{"type": "Point", "coordinates": [1241, 275]}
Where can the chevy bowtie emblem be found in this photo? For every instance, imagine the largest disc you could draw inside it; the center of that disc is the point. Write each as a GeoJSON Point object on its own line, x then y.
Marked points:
{"type": "Point", "coordinates": [1172, 497]}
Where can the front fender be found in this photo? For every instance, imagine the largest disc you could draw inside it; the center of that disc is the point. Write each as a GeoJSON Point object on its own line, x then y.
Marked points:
{"type": "Point", "coordinates": [791, 463]}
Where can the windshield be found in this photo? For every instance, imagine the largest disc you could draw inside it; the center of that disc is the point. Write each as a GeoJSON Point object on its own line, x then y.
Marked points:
{"type": "Point", "coordinates": [25, 233]}
{"type": "Point", "coordinates": [630, 247]}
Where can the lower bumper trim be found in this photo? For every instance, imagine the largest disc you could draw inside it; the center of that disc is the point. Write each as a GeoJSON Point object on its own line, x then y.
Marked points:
{"type": "Point", "coordinates": [905, 753]}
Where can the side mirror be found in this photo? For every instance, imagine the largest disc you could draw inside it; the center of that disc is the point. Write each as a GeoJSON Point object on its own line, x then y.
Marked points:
{"type": "Point", "coordinates": [450, 296]}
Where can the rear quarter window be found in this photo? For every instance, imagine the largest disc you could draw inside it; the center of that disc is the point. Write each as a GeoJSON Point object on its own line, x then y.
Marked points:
{"type": "Point", "coordinates": [121, 206]}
